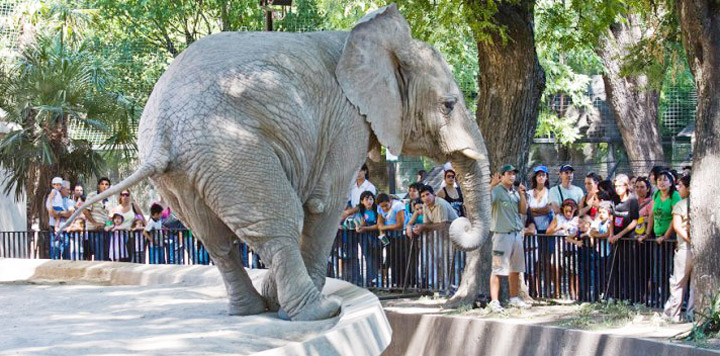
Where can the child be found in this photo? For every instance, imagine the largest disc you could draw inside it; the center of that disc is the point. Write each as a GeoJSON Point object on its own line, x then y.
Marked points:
{"type": "Point", "coordinates": [567, 222]}
{"type": "Point", "coordinates": [602, 228]}
{"type": "Point", "coordinates": [55, 197]}
{"type": "Point", "coordinates": [117, 250]}
{"type": "Point", "coordinates": [153, 229]}
{"type": "Point", "coordinates": [56, 201]}
{"type": "Point", "coordinates": [367, 213]}
{"type": "Point", "coordinates": [416, 218]}
{"type": "Point", "coordinates": [136, 243]}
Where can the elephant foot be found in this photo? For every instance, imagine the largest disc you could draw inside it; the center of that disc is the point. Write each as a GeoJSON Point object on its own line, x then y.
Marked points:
{"type": "Point", "coordinates": [250, 306]}
{"type": "Point", "coordinates": [269, 292]}
{"type": "Point", "coordinates": [324, 308]}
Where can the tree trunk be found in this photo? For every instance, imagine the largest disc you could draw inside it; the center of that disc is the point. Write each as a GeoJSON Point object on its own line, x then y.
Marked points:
{"type": "Point", "coordinates": [632, 101]}
{"type": "Point", "coordinates": [510, 84]}
{"type": "Point", "coordinates": [700, 26]}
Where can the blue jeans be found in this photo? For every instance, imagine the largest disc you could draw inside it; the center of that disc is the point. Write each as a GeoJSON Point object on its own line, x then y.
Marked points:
{"type": "Point", "coordinates": [59, 247]}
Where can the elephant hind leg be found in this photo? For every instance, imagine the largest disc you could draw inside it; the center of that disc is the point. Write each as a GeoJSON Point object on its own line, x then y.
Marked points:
{"type": "Point", "coordinates": [217, 239]}
{"type": "Point", "coordinates": [271, 225]}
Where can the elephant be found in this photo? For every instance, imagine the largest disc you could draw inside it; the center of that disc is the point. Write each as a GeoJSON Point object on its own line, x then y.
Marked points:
{"type": "Point", "coordinates": [258, 136]}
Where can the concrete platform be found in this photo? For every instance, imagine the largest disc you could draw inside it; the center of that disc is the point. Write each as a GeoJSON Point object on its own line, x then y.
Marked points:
{"type": "Point", "coordinates": [100, 308]}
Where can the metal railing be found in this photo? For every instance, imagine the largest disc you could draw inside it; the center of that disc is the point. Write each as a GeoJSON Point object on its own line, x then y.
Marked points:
{"type": "Point", "coordinates": [627, 270]}
{"type": "Point", "coordinates": [555, 268]}
{"type": "Point", "coordinates": [426, 263]}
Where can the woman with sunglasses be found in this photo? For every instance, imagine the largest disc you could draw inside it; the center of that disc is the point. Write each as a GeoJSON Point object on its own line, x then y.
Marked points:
{"type": "Point", "coordinates": [130, 212]}
{"type": "Point", "coordinates": [451, 193]}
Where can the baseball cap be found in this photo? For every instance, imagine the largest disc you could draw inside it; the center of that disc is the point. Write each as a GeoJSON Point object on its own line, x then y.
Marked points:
{"type": "Point", "coordinates": [541, 169]}
{"type": "Point", "coordinates": [566, 167]}
{"type": "Point", "coordinates": [508, 168]}
{"type": "Point", "coordinates": [57, 180]}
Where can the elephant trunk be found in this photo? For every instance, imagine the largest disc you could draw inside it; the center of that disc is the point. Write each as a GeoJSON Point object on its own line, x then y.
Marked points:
{"type": "Point", "coordinates": [473, 175]}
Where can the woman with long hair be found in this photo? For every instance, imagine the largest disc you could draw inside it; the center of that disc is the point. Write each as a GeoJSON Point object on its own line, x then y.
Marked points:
{"type": "Point", "coordinates": [588, 204]}
{"type": "Point", "coordinates": [367, 213]}
{"type": "Point", "coordinates": [627, 211]}
{"type": "Point", "coordinates": [539, 202]}
{"type": "Point", "coordinates": [663, 201]}
{"type": "Point", "coordinates": [644, 198]}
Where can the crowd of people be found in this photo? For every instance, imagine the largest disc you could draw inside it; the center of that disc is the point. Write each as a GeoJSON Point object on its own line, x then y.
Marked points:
{"type": "Point", "coordinates": [652, 208]}
{"type": "Point", "coordinates": [127, 231]}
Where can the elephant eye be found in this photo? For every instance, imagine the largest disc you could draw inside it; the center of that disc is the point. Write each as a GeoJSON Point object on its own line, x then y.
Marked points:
{"type": "Point", "coordinates": [448, 105]}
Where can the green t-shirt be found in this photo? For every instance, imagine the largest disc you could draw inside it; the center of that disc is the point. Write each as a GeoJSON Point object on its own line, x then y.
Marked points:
{"type": "Point", "coordinates": [662, 212]}
{"type": "Point", "coordinates": [505, 215]}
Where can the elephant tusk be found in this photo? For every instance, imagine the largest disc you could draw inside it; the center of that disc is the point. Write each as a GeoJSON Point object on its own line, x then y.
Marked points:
{"type": "Point", "coordinates": [472, 154]}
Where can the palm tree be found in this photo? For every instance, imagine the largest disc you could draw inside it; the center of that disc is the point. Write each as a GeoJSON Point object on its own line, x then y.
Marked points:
{"type": "Point", "coordinates": [52, 86]}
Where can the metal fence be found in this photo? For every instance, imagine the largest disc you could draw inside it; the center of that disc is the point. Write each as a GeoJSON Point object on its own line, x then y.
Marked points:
{"type": "Point", "coordinates": [427, 263]}
{"type": "Point", "coordinates": [627, 270]}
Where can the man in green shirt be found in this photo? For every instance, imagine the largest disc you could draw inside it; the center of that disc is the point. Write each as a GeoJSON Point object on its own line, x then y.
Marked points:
{"type": "Point", "coordinates": [506, 226]}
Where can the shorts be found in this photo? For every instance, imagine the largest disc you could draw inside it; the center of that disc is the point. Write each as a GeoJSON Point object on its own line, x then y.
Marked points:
{"type": "Point", "coordinates": [507, 253]}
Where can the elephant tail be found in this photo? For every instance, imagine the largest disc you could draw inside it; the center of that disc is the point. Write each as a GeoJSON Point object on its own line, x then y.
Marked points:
{"type": "Point", "coordinates": [145, 171]}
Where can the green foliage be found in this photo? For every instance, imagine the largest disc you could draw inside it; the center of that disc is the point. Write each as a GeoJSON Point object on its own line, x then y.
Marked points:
{"type": "Point", "coordinates": [568, 60]}
{"type": "Point", "coordinates": [52, 84]}
{"type": "Point", "coordinates": [708, 324]}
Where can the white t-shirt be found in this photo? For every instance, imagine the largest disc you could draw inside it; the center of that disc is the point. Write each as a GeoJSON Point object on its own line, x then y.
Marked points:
{"type": "Point", "coordinates": [574, 193]}
{"type": "Point", "coordinates": [541, 221]}
{"type": "Point", "coordinates": [153, 225]}
{"type": "Point", "coordinates": [356, 191]}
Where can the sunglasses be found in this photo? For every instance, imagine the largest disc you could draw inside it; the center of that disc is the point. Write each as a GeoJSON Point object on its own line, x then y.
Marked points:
{"type": "Point", "coordinates": [124, 194]}
{"type": "Point", "coordinates": [449, 176]}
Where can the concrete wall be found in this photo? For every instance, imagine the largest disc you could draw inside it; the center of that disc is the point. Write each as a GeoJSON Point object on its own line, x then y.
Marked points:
{"type": "Point", "coordinates": [426, 334]}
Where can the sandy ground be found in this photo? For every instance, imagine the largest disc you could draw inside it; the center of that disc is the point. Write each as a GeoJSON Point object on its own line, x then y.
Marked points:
{"type": "Point", "coordinates": [72, 319]}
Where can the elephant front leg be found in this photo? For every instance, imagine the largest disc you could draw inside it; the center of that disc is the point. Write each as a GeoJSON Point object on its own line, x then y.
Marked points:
{"type": "Point", "coordinates": [319, 233]}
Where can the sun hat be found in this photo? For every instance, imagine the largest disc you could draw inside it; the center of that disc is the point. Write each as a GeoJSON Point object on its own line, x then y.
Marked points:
{"type": "Point", "coordinates": [57, 180]}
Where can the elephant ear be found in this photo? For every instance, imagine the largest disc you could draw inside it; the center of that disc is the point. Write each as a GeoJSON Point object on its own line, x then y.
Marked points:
{"type": "Point", "coordinates": [369, 72]}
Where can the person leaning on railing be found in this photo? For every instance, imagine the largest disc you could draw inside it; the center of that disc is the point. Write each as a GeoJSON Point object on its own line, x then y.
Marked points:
{"type": "Point", "coordinates": [663, 200]}
{"type": "Point", "coordinates": [437, 212]}
{"type": "Point", "coordinates": [642, 192]}
{"type": "Point", "coordinates": [416, 218]}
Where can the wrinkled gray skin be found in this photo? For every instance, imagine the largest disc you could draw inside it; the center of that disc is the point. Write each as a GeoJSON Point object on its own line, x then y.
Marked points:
{"type": "Point", "coordinates": [259, 136]}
